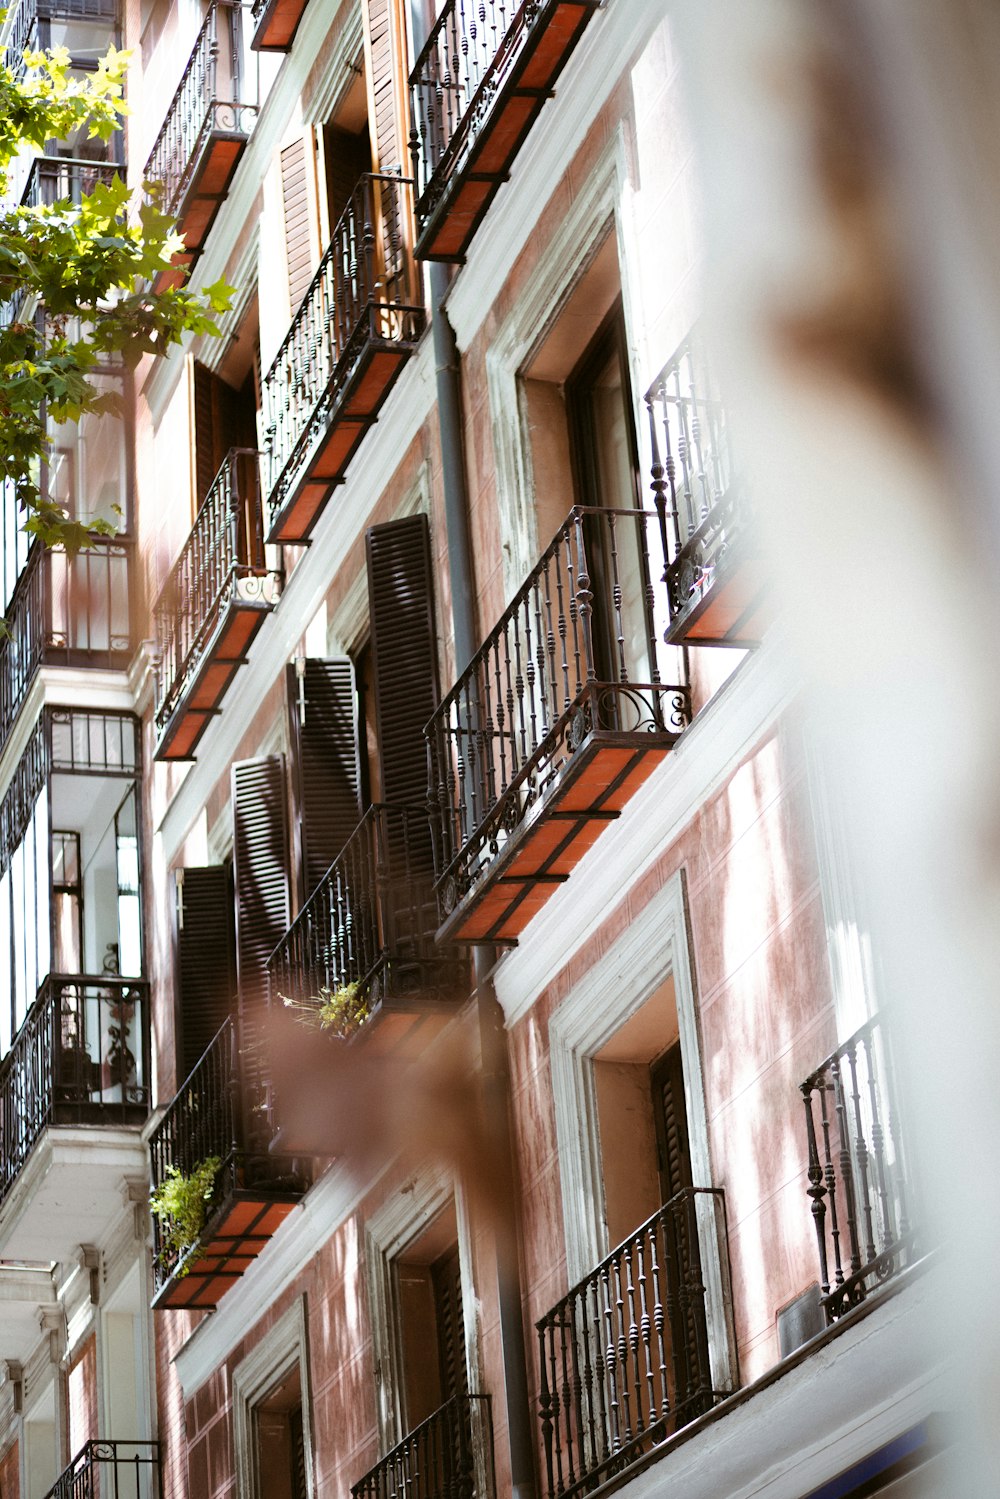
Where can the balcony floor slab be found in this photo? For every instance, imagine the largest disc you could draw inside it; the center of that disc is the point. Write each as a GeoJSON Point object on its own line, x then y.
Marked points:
{"type": "Point", "coordinates": [70, 1190]}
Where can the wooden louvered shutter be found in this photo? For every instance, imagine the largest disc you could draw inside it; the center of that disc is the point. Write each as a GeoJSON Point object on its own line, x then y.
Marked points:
{"type": "Point", "coordinates": [670, 1112]}
{"type": "Point", "coordinates": [681, 1246]}
{"type": "Point", "coordinates": [404, 653]}
{"type": "Point", "coordinates": [449, 1325]}
{"type": "Point", "coordinates": [218, 425]}
{"type": "Point", "coordinates": [323, 728]}
{"type": "Point", "coordinates": [298, 225]}
{"type": "Point", "coordinates": [206, 959]}
{"type": "Point", "coordinates": [347, 157]}
{"type": "Point", "coordinates": [386, 73]}
{"type": "Point", "coordinates": [260, 865]}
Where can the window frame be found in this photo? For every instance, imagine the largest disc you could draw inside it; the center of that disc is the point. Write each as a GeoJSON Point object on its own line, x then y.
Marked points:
{"type": "Point", "coordinates": [283, 1349]}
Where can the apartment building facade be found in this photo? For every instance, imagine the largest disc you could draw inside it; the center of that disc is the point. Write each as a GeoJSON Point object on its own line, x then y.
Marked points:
{"type": "Point", "coordinates": [417, 870]}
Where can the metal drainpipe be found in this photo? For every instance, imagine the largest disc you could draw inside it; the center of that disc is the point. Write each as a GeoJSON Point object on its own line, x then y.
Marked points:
{"type": "Point", "coordinates": [492, 1035]}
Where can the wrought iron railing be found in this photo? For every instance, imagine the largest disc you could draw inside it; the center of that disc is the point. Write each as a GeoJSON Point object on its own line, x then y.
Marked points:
{"type": "Point", "coordinates": [221, 1113]}
{"type": "Point", "coordinates": [111, 1470]}
{"type": "Point", "coordinates": [461, 68]}
{"type": "Point", "coordinates": [206, 101]}
{"type": "Point", "coordinates": [364, 290]}
{"type": "Point", "coordinates": [624, 1356]}
{"type": "Point", "coordinates": [575, 652]}
{"type": "Point", "coordinates": [858, 1179]}
{"type": "Point", "coordinates": [53, 179]}
{"type": "Point", "coordinates": [448, 1456]}
{"type": "Point", "coordinates": [221, 563]}
{"type": "Point", "coordinates": [81, 1056]}
{"type": "Point", "coordinates": [703, 506]}
{"type": "Point", "coordinates": [21, 29]}
{"type": "Point", "coordinates": [370, 922]}
{"type": "Point", "coordinates": [64, 611]}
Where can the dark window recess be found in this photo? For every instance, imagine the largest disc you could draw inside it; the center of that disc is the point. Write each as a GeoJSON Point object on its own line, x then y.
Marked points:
{"type": "Point", "coordinates": [322, 714]}
{"type": "Point", "coordinates": [260, 843]}
{"type": "Point", "coordinates": [605, 462]}
{"type": "Point", "coordinates": [295, 201]}
{"type": "Point", "coordinates": [206, 959]}
{"type": "Point", "coordinates": [348, 157]}
{"type": "Point", "coordinates": [224, 418]}
{"type": "Point", "coordinates": [404, 658]}
{"type": "Point", "coordinates": [449, 1323]}
{"type": "Point", "coordinates": [297, 1434]}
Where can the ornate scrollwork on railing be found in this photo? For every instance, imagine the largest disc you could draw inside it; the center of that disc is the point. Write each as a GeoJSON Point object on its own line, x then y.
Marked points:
{"type": "Point", "coordinates": [703, 505]}
{"type": "Point", "coordinates": [222, 563]}
{"type": "Point", "coordinates": [364, 290]}
{"type": "Point", "coordinates": [858, 1182]}
{"type": "Point", "coordinates": [206, 102]}
{"type": "Point", "coordinates": [569, 659]}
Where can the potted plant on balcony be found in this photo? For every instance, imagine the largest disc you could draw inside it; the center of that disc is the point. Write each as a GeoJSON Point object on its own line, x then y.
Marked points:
{"type": "Point", "coordinates": [180, 1205]}
{"type": "Point", "coordinates": [342, 1010]}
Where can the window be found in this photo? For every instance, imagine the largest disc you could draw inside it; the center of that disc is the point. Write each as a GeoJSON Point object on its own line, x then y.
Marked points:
{"type": "Point", "coordinates": [70, 888]}
{"type": "Point", "coordinates": [271, 1411]}
{"type": "Point", "coordinates": [420, 1291]}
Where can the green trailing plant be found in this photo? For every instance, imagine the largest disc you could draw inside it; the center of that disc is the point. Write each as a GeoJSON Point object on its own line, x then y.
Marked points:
{"type": "Point", "coordinates": [180, 1204]}
{"type": "Point", "coordinates": [343, 1010]}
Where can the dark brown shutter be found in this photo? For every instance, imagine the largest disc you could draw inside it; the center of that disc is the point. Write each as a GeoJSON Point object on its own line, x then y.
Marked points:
{"type": "Point", "coordinates": [670, 1112]}
{"type": "Point", "coordinates": [449, 1325]}
{"type": "Point", "coordinates": [681, 1247]}
{"type": "Point", "coordinates": [404, 653]}
{"type": "Point", "coordinates": [347, 157]}
{"type": "Point", "coordinates": [295, 199]}
{"type": "Point", "coordinates": [386, 73]}
{"type": "Point", "coordinates": [206, 959]}
{"type": "Point", "coordinates": [323, 728]}
{"type": "Point", "coordinates": [260, 865]}
{"type": "Point", "coordinates": [223, 419]}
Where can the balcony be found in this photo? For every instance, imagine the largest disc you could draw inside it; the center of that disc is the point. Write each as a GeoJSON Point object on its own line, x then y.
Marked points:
{"type": "Point", "coordinates": [858, 1181]}
{"type": "Point", "coordinates": [275, 24]}
{"type": "Point", "coordinates": [716, 577]}
{"type": "Point", "coordinates": [624, 1356]}
{"type": "Point", "coordinates": [370, 924]}
{"type": "Point", "coordinates": [218, 1125]}
{"type": "Point", "coordinates": [214, 602]}
{"type": "Point", "coordinates": [475, 92]}
{"type": "Point", "coordinates": [64, 611]}
{"type": "Point", "coordinates": [81, 1057]}
{"type": "Point", "coordinates": [451, 1453]}
{"type": "Point", "coordinates": [203, 136]}
{"type": "Point", "coordinates": [358, 324]}
{"type": "Point", "coordinates": [120, 1470]}
{"type": "Point", "coordinates": [21, 32]}
{"type": "Point", "coordinates": [557, 721]}
{"type": "Point", "coordinates": [60, 179]}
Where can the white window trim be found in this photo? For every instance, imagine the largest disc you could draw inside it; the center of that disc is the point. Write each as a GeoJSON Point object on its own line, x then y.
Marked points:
{"type": "Point", "coordinates": [655, 947]}
{"type": "Point", "coordinates": [281, 1350]}
{"type": "Point", "coordinates": [388, 1234]}
{"type": "Point", "coordinates": [593, 213]}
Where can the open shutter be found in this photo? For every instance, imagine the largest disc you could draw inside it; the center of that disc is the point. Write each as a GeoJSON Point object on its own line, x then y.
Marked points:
{"type": "Point", "coordinates": [206, 959]}
{"type": "Point", "coordinates": [323, 723]}
{"type": "Point", "coordinates": [260, 864]}
{"type": "Point", "coordinates": [404, 653]}
{"type": "Point", "coordinates": [223, 419]}
{"type": "Point", "coordinates": [298, 226]}
{"type": "Point", "coordinates": [386, 73]}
